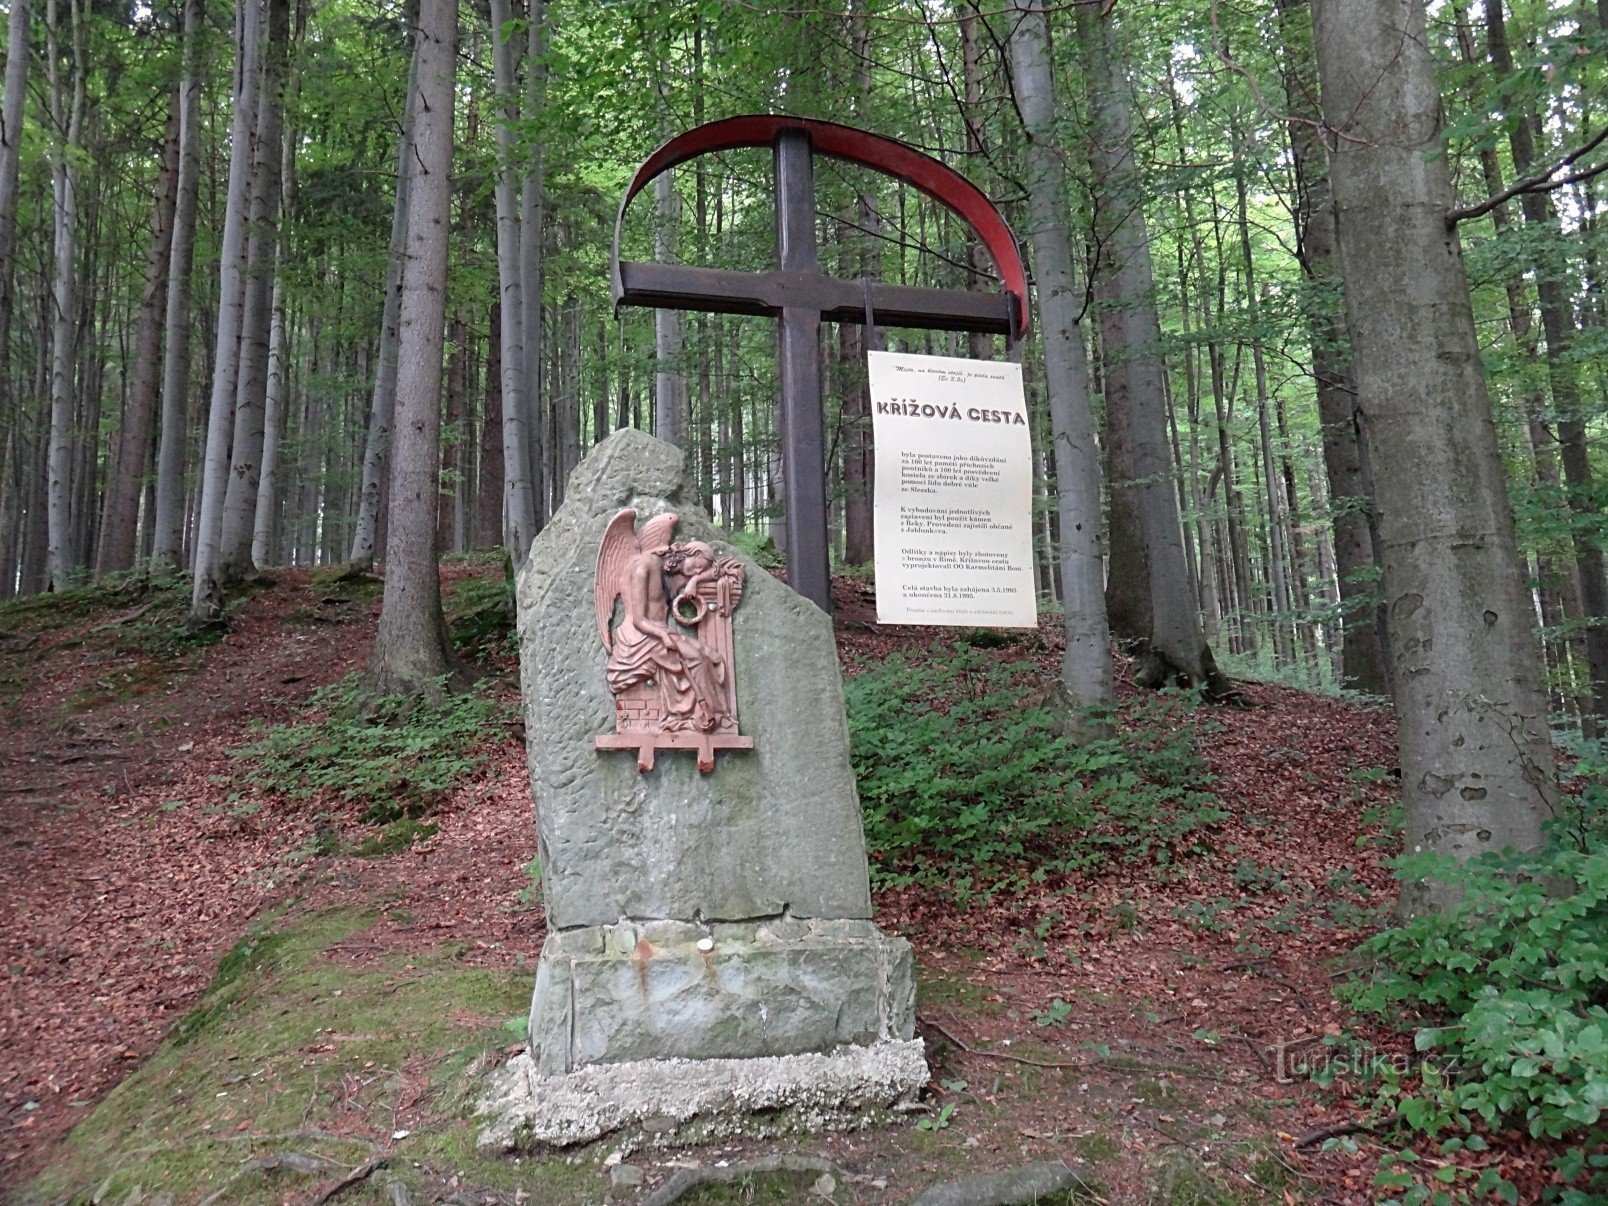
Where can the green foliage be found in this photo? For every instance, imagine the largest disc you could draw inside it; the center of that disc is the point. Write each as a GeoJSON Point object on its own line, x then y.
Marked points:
{"type": "Point", "coordinates": [1514, 983]}
{"type": "Point", "coordinates": [481, 612]}
{"type": "Point", "coordinates": [962, 779]}
{"type": "Point", "coordinates": [394, 755]}
{"type": "Point", "coordinates": [758, 547]}
{"type": "Point", "coordinates": [395, 837]}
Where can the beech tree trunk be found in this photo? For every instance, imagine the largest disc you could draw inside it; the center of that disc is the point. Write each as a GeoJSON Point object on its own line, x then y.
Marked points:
{"type": "Point", "coordinates": [132, 448]}
{"type": "Point", "coordinates": [1476, 760]}
{"type": "Point", "coordinates": [382, 404]}
{"type": "Point", "coordinates": [532, 219]}
{"type": "Point", "coordinates": [1558, 325]}
{"type": "Point", "coordinates": [1363, 661]}
{"type": "Point", "coordinates": [670, 402]}
{"type": "Point", "coordinates": [67, 114]}
{"type": "Point", "coordinates": [520, 507]}
{"type": "Point", "coordinates": [1136, 402]}
{"type": "Point", "coordinates": [256, 321]}
{"type": "Point", "coordinates": [167, 538]}
{"type": "Point", "coordinates": [411, 652]}
{"type": "Point", "coordinates": [206, 597]}
{"type": "Point", "coordinates": [265, 523]}
{"type": "Point", "coordinates": [13, 103]}
{"type": "Point", "coordinates": [1086, 664]}
{"type": "Point", "coordinates": [492, 495]}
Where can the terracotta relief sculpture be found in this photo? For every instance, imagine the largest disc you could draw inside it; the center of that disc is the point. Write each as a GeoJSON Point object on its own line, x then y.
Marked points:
{"type": "Point", "coordinates": [670, 654]}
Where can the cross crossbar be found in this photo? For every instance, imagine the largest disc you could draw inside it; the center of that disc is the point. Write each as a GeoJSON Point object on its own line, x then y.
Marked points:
{"type": "Point", "coordinates": [799, 296]}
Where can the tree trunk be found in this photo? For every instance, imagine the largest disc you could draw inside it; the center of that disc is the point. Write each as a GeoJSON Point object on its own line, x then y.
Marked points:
{"type": "Point", "coordinates": [489, 520]}
{"type": "Point", "coordinates": [382, 404]}
{"type": "Point", "coordinates": [168, 525]}
{"type": "Point", "coordinates": [265, 523]}
{"type": "Point", "coordinates": [1364, 663]}
{"type": "Point", "coordinates": [1558, 325]}
{"type": "Point", "coordinates": [1131, 340]}
{"type": "Point", "coordinates": [532, 221]}
{"type": "Point", "coordinates": [67, 117]}
{"type": "Point", "coordinates": [206, 597]}
{"type": "Point", "coordinates": [521, 505]}
{"type": "Point", "coordinates": [126, 475]}
{"type": "Point", "coordinates": [1086, 664]}
{"type": "Point", "coordinates": [670, 402]}
{"type": "Point", "coordinates": [411, 652]}
{"type": "Point", "coordinates": [1476, 761]}
{"type": "Point", "coordinates": [256, 322]}
{"type": "Point", "coordinates": [13, 103]}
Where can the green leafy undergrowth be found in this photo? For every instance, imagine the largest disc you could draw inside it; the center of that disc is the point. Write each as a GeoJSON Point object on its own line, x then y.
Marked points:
{"type": "Point", "coordinates": [480, 614]}
{"type": "Point", "coordinates": [1507, 996]}
{"type": "Point", "coordinates": [296, 1050]}
{"type": "Point", "coordinates": [392, 755]}
{"type": "Point", "coordinates": [966, 783]}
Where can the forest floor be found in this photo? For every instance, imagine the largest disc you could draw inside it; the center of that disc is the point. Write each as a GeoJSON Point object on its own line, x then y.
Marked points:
{"type": "Point", "coordinates": [208, 992]}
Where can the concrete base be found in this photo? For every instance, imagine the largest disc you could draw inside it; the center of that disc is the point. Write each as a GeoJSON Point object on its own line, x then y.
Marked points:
{"type": "Point", "coordinates": [678, 1101]}
{"type": "Point", "coordinates": [656, 990]}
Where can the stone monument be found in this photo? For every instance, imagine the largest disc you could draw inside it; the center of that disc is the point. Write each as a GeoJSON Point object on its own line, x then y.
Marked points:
{"type": "Point", "coordinates": [710, 954]}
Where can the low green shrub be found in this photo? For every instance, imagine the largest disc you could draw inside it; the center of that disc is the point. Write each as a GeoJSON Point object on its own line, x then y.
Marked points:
{"type": "Point", "coordinates": [1507, 994]}
{"type": "Point", "coordinates": [480, 613]}
{"type": "Point", "coordinates": [963, 778]}
{"type": "Point", "coordinates": [394, 755]}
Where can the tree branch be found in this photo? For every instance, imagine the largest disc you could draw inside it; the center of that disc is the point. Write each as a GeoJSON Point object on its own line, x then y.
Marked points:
{"type": "Point", "coordinates": [1539, 182]}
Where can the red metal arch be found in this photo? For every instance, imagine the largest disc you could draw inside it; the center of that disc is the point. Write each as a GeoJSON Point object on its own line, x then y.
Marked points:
{"type": "Point", "coordinates": [889, 156]}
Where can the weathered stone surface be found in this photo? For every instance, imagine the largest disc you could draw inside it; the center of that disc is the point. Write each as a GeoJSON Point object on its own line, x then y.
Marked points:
{"type": "Point", "coordinates": [649, 990]}
{"type": "Point", "coordinates": [671, 1101]}
{"type": "Point", "coordinates": [771, 831]}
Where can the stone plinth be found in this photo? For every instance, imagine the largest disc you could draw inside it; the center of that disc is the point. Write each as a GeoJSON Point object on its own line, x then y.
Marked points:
{"type": "Point", "coordinates": [704, 919]}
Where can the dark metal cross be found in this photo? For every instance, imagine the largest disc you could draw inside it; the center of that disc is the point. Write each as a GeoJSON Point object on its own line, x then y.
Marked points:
{"type": "Point", "coordinates": [799, 296]}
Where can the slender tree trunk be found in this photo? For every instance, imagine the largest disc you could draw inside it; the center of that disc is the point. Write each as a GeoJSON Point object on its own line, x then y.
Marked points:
{"type": "Point", "coordinates": [493, 495]}
{"type": "Point", "coordinates": [532, 222]}
{"type": "Point", "coordinates": [265, 522]}
{"type": "Point", "coordinates": [1476, 760]}
{"type": "Point", "coordinates": [13, 102]}
{"type": "Point", "coordinates": [67, 116]}
{"type": "Point", "coordinates": [1131, 339]}
{"type": "Point", "coordinates": [670, 402]}
{"type": "Point", "coordinates": [1558, 325]}
{"type": "Point", "coordinates": [256, 323]}
{"type": "Point", "coordinates": [126, 477]}
{"type": "Point", "coordinates": [168, 525]}
{"type": "Point", "coordinates": [206, 598]}
{"type": "Point", "coordinates": [1364, 664]}
{"type": "Point", "coordinates": [411, 652]}
{"type": "Point", "coordinates": [382, 404]}
{"type": "Point", "coordinates": [521, 505]}
{"type": "Point", "coordinates": [1086, 664]}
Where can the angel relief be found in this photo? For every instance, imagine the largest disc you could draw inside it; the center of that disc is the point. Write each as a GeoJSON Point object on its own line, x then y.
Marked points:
{"type": "Point", "coordinates": [670, 652]}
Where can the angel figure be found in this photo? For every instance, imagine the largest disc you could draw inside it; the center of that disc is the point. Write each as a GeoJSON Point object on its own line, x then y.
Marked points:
{"type": "Point", "coordinates": [641, 568]}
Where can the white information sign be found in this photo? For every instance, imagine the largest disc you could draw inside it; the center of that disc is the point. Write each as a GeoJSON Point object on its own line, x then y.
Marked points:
{"type": "Point", "coordinates": [954, 492]}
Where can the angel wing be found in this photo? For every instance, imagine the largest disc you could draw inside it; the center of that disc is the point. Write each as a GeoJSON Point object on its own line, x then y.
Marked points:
{"type": "Point", "coordinates": [613, 555]}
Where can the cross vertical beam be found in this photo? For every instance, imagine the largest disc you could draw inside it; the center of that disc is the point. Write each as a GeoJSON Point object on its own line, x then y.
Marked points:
{"type": "Point", "coordinates": [799, 361]}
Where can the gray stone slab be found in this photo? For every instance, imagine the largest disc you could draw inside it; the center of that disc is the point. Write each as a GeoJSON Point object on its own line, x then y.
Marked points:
{"type": "Point", "coordinates": [771, 831]}
{"type": "Point", "coordinates": [673, 1101]}
{"type": "Point", "coordinates": [651, 990]}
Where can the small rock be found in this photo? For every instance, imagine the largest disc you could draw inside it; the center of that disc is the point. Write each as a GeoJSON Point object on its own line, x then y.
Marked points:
{"type": "Point", "coordinates": [825, 1185]}
{"type": "Point", "coordinates": [624, 1175]}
